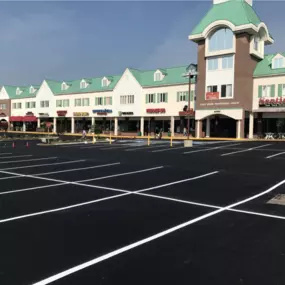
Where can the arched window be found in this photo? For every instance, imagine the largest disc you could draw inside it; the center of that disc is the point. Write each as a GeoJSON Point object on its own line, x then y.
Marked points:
{"type": "Point", "coordinates": [221, 39]}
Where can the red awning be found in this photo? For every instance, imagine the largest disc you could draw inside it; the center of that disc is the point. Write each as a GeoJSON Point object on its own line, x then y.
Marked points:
{"type": "Point", "coordinates": [30, 119]}
{"type": "Point", "coordinates": [16, 119]}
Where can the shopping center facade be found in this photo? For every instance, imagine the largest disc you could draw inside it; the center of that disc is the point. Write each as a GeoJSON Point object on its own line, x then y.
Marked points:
{"type": "Point", "coordinates": [238, 91]}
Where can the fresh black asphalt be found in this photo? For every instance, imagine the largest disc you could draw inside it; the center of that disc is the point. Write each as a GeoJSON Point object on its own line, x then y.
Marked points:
{"type": "Point", "coordinates": [225, 248]}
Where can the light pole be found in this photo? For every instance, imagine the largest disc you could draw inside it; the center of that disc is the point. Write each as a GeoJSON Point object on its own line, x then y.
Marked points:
{"type": "Point", "coordinates": [191, 70]}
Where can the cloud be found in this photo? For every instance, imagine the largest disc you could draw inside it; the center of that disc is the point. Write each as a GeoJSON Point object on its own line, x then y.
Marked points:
{"type": "Point", "coordinates": [35, 44]}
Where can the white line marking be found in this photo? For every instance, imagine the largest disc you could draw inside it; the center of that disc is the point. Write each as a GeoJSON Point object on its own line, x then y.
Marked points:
{"type": "Point", "coordinates": [9, 177]}
{"type": "Point", "coordinates": [85, 185]}
{"type": "Point", "coordinates": [33, 188]}
{"type": "Point", "coordinates": [245, 150]}
{"type": "Point", "coordinates": [63, 208]}
{"type": "Point", "coordinates": [270, 156]}
{"type": "Point", "coordinates": [135, 148]}
{"type": "Point", "coordinates": [178, 182]}
{"type": "Point", "coordinates": [5, 153]}
{"type": "Point", "coordinates": [121, 174]}
{"type": "Point", "coordinates": [115, 147]}
{"type": "Point", "coordinates": [169, 148]}
{"type": "Point", "coordinates": [46, 164]}
{"type": "Point", "coordinates": [148, 239]}
{"type": "Point", "coordinates": [16, 161]}
{"type": "Point", "coordinates": [76, 169]}
{"type": "Point", "coordinates": [26, 155]}
{"type": "Point", "coordinates": [212, 148]}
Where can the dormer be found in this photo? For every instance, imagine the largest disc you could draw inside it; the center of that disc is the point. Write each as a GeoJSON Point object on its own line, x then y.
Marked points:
{"type": "Point", "coordinates": [257, 43]}
{"type": "Point", "coordinates": [105, 82]}
{"type": "Point", "coordinates": [84, 83]}
{"type": "Point", "coordinates": [159, 75]}
{"type": "Point", "coordinates": [32, 90]}
{"type": "Point", "coordinates": [64, 86]}
{"type": "Point", "coordinates": [278, 61]}
{"type": "Point", "coordinates": [18, 91]}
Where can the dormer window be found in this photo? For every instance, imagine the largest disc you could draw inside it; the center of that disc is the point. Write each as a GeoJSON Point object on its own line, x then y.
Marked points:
{"type": "Point", "coordinates": [18, 91]}
{"type": "Point", "coordinates": [104, 82]}
{"type": "Point", "coordinates": [255, 43]}
{"type": "Point", "coordinates": [63, 86]}
{"type": "Point", "coordinates": [83, 84]}
{"type": "Point", "coordinates": [278, 62]}
{"type": "Point", "coordinates": [32, 90]}
{"type": "Point", "coordinates": [157, 76]}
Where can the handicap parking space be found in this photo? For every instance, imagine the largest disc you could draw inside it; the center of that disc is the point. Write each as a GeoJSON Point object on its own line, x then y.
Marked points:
{"type": "Point", "coordinates": [220, 189]}
{"type": "Point", "coordinates": [228, 248]}
{"type": "Point", "coordinates": [64, 239]}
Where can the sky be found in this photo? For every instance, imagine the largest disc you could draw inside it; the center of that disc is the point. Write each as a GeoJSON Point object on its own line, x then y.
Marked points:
{"type": "Point", "coordinates": [71, 40]}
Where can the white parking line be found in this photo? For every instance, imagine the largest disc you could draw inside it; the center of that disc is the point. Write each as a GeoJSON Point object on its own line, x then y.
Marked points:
{"type": "Point", "coordinates": [211, 148]}
{"type": "Point", "coordinates": [115, 147]}
{"type": "Point", "coordinates": [36, 159]}
{"type": "Point", "coordinates": [121, 174]}
{"type": "Point", "coordinates": [9, 177]}
{"type": "Point", "coordinates": [245, 150]}
{"type": "Point", "coordinates": [63, 208]}
{"type": "Point", "coordinates": [5, 153]}
{"type": "Point", "coordinates": [135, 148]}
{"type": "Point", "coordinates": [270, 156]}
{"type": "Point", "coordinates": [168, 149]}
{"type": "Point", "coordinates": [16, 156]}
{"type": "Point", "coordinates": [77, 169]}
{"type": "Point", "coordinates": [125, 192]}
{"type": "Point", "coordinates": [149, 239]}
{"type": "Point", "coordinates": [46, 164]}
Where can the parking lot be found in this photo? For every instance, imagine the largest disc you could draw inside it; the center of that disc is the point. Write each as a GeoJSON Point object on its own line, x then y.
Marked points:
{"type": "Point", "coordinates": [128, 213]}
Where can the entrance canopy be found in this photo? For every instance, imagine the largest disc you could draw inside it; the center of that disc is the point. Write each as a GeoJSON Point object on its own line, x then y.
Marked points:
{"type": "Point", "coordinates": [23, 119]}
{"type": "Point", "coordinates": [16, 119]}
{"type": "Point", "coordinates": [29, 119]}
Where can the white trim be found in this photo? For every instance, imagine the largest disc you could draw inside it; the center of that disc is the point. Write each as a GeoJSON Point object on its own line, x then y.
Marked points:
{"type": "Point", "coordinates": [223, 23]}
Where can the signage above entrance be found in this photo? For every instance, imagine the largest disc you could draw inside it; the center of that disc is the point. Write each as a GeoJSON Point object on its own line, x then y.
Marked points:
{"type": "Point", "coordinates": [102, 111]}
{"type": "Point", "coordinates": [190, 112]}
{"type": "Point", "coordinates": [212, 95]}
{"type": "Point", "coordinates": [156, 111]}
{"type": "Point", "coordinates": [61, 113]}
{"type": "Point", "coordinates": [126, 113]}
{"type": "Point", "coordinates": [277, 102]}
{"type": "Point", "coordinates": [80, 114]}
{"type": "Point", "coordinates": [43, 115]}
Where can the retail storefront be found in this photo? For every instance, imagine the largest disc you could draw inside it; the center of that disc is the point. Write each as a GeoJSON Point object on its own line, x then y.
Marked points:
{"type": "Point", "coordinates": [82, 121]}
{"type": "Point", "coordinates": [63, 124]}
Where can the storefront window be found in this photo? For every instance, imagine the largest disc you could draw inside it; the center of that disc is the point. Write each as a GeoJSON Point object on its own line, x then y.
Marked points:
{"type": "Point", "coordinates": [77, 102]}
{"type": "Point", "coordinates": [266, 90]}
{"type": "Point", "coordinates": [226, 91]}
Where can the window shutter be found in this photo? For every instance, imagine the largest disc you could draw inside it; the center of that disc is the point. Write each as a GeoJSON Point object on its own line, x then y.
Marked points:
{"type": "Point", "coordinates": [259, 91]}
{"type": "Point", "coordinates": [104, 100]}
{"type": "Point", "coordinates": [146, 98]}
{"type": "Point", "coordinates": [178, 94]}
{"type": "Point", "coordinates": [166, 97]}
{"type": "Point", "coordinates": [187, 96]}
{"type": "Point", "coordinates": [154, 97]}
{"type": "Point", "coordinates": [272, 90]}
{"type": "Point", "coordinates": [111, 101]}
{"type": "Point", "coordinates": [192, 96]}
{"type": "Point", "coordinates": [158, 97]}
{"type": "Point", "coordinates": [280, 87]}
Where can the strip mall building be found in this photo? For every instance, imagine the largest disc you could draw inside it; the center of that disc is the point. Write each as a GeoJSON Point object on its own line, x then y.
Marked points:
{"type": "Point", "coordinates": [239, 91]}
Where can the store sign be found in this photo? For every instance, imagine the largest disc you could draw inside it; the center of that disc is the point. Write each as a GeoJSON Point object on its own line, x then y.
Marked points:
{"type": "Point", "coordinates": [126, 113]}
{"type": "Point", "coordinates": [102, 111]}
{"type": "Point", "coordinates": [61, 113]}
{"type": "Point", "coordinates": [43, 115]}
{"type": "Point", "coordinates": [29, 114]}
{"type": "Point", "coordinates": [190, 112]}
{"type": "Point", "coordinates": [156, 111]}
{"type": "Point", "coordinates": [80, 114]}
{"type": "Point", "coordinates": [212, 95]}
{"type": "Point", "coordinates": [276, 102]}
{"type": "Point", "coordinates": [102, 114]}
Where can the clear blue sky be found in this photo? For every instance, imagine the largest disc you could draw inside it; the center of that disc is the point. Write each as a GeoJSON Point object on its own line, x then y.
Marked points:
{"type": "Point", "coordinates": [71, 40]}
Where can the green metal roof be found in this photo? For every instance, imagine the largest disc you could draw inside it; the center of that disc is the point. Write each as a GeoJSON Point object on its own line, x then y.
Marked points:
{"type": "Point", "coordinates": [238, 12]}
{"type": "Point", "coordinates": [11, 90]}
{"type": "Point", "coordinates": [264, 67]}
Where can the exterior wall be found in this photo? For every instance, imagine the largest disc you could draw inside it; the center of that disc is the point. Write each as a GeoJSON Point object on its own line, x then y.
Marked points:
{"type": "Point", "coordinates": [172, 107]}
{"type": "Point", "coordinates": [128, 85]}
{"type": "Point", "coordinates": [89, 109]}
{"type": "Point", "coordinates": [45, 94]}
{"type": "Point", "coordinates": [4, 99]}
{"type": "Point", "coordinates": [276, 80]}
{"type": "Point", "coordinates": [23, 110]}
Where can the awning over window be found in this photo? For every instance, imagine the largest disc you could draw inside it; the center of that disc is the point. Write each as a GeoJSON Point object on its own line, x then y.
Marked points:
{"type": "Point", "coordinates": [16, 119]}
{"type": "Point", "coordinates": [30, 119]}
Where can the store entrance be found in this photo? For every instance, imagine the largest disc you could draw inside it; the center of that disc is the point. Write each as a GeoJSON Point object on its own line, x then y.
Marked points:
{"type": "Point", "coordinates": [222, 127]}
